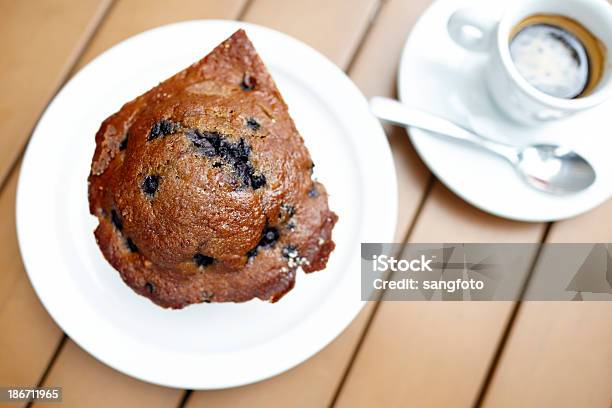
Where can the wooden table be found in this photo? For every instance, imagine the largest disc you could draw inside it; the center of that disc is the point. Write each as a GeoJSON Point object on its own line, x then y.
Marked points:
{"type": "Point", "coordinates": [421, 354]}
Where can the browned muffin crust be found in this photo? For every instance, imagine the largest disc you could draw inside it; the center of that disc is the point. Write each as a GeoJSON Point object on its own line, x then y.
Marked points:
{"type": "Point", "coordinates": [202, 187]}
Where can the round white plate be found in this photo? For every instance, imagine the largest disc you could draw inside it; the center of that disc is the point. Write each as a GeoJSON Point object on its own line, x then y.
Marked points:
{"type": "Point", "coordinates": [441, 77]}
{"type": "Point", "coordinates": [203, 346]}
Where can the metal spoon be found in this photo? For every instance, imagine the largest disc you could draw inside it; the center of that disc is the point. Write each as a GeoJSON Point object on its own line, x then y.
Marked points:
{"type": "Point", "coordinates": [546, 167]}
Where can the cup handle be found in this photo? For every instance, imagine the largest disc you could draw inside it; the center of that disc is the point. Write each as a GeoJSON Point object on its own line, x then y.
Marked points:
{"type": "Point", "coordinates": [472, 29]}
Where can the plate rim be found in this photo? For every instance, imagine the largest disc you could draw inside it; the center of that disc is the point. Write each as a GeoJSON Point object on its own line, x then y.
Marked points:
{"type": "Point", "coordinates": [25, 250]}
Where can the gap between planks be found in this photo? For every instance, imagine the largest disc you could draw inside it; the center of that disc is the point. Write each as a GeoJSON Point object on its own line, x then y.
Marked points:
{"type": "Point", "coordinates": [421, 205]}
{"type": "Point", "coordinates": [511, 320]}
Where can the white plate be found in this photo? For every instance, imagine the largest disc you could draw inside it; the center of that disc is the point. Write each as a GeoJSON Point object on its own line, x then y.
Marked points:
{"type": "Point", "coordinates": [439, 76]}
{"type": "Point", "coordinates": [204, 346]}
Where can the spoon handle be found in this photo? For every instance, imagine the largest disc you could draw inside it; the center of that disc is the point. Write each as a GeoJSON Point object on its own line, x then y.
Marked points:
{"type": "Point", "coordinates": [392, 111]}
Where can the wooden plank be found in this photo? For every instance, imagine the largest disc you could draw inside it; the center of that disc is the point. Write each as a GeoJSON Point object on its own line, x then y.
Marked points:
{"type": "Point", "coordinates": [87, 382]}
{"type": "Point", "coordinates": [447, 218]}
{"type": "Point", "coordinates": [334, 28]}
{"type": "Point", "coordinates": [10, 259]}
{"type": "Point", "coordinates": [375, 71]}
{"type": "Point", "coordinates": [30, 337]}
{"type": "Point", "coordinates": [435, 354]}
{"type": "Point", "coordinates": [40, 42]}
{"type": "Point", "coordinates": [311, 384]}
{"type": "Point", "coordinates": [130, 17]}
{"type": "Point", "coordinates": [559, 354]}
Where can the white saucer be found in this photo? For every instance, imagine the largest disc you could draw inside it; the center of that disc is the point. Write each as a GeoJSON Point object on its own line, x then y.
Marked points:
{"type": "Point", "coordinates": [441, 77]}
{"type": "Point", "coordinates": [209, 345]}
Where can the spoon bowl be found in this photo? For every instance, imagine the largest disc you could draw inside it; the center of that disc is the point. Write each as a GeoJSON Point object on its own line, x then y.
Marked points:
{"type": "Point", "coordinates": [554, 169]}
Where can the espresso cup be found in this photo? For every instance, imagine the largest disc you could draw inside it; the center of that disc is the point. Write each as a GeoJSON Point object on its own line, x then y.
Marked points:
{"type": "Point", "coordinates": [476, 30]}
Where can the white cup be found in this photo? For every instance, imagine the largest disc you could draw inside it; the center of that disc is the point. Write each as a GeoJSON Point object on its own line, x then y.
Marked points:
{"type": "Point", "coordinates": [477, 31]}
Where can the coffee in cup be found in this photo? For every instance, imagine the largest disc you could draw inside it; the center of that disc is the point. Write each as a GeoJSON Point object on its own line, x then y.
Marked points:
{"type": "Point", "coordinates": [557, 55]}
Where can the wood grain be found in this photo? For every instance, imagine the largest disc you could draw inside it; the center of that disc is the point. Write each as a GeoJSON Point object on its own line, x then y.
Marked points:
{"type": "Point", "coordinates": [87, 382]}
{"type": "Point", "coordinates": [130, 17]}
{"type": "Point", "coordinates": [28, 337]}
{"type": "Point", "coordinates": [10, 258]}
{"type": "Point", "coordinates": [375, 71]}
{"type": "Point", "coordinates": [334, 28]}
{"type": "Point", "coordinates": [435, 354]}
{"type": "Point", "coordinates": [559, 354]}
{"type": "Point", "coordinates": [40, 42]}
{"type": "Point", "coordinates": [311, 384]}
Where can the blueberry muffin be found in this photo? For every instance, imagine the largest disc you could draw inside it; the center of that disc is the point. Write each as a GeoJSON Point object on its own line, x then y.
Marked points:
{"type": "Point", "coordinates": [203, 187]}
